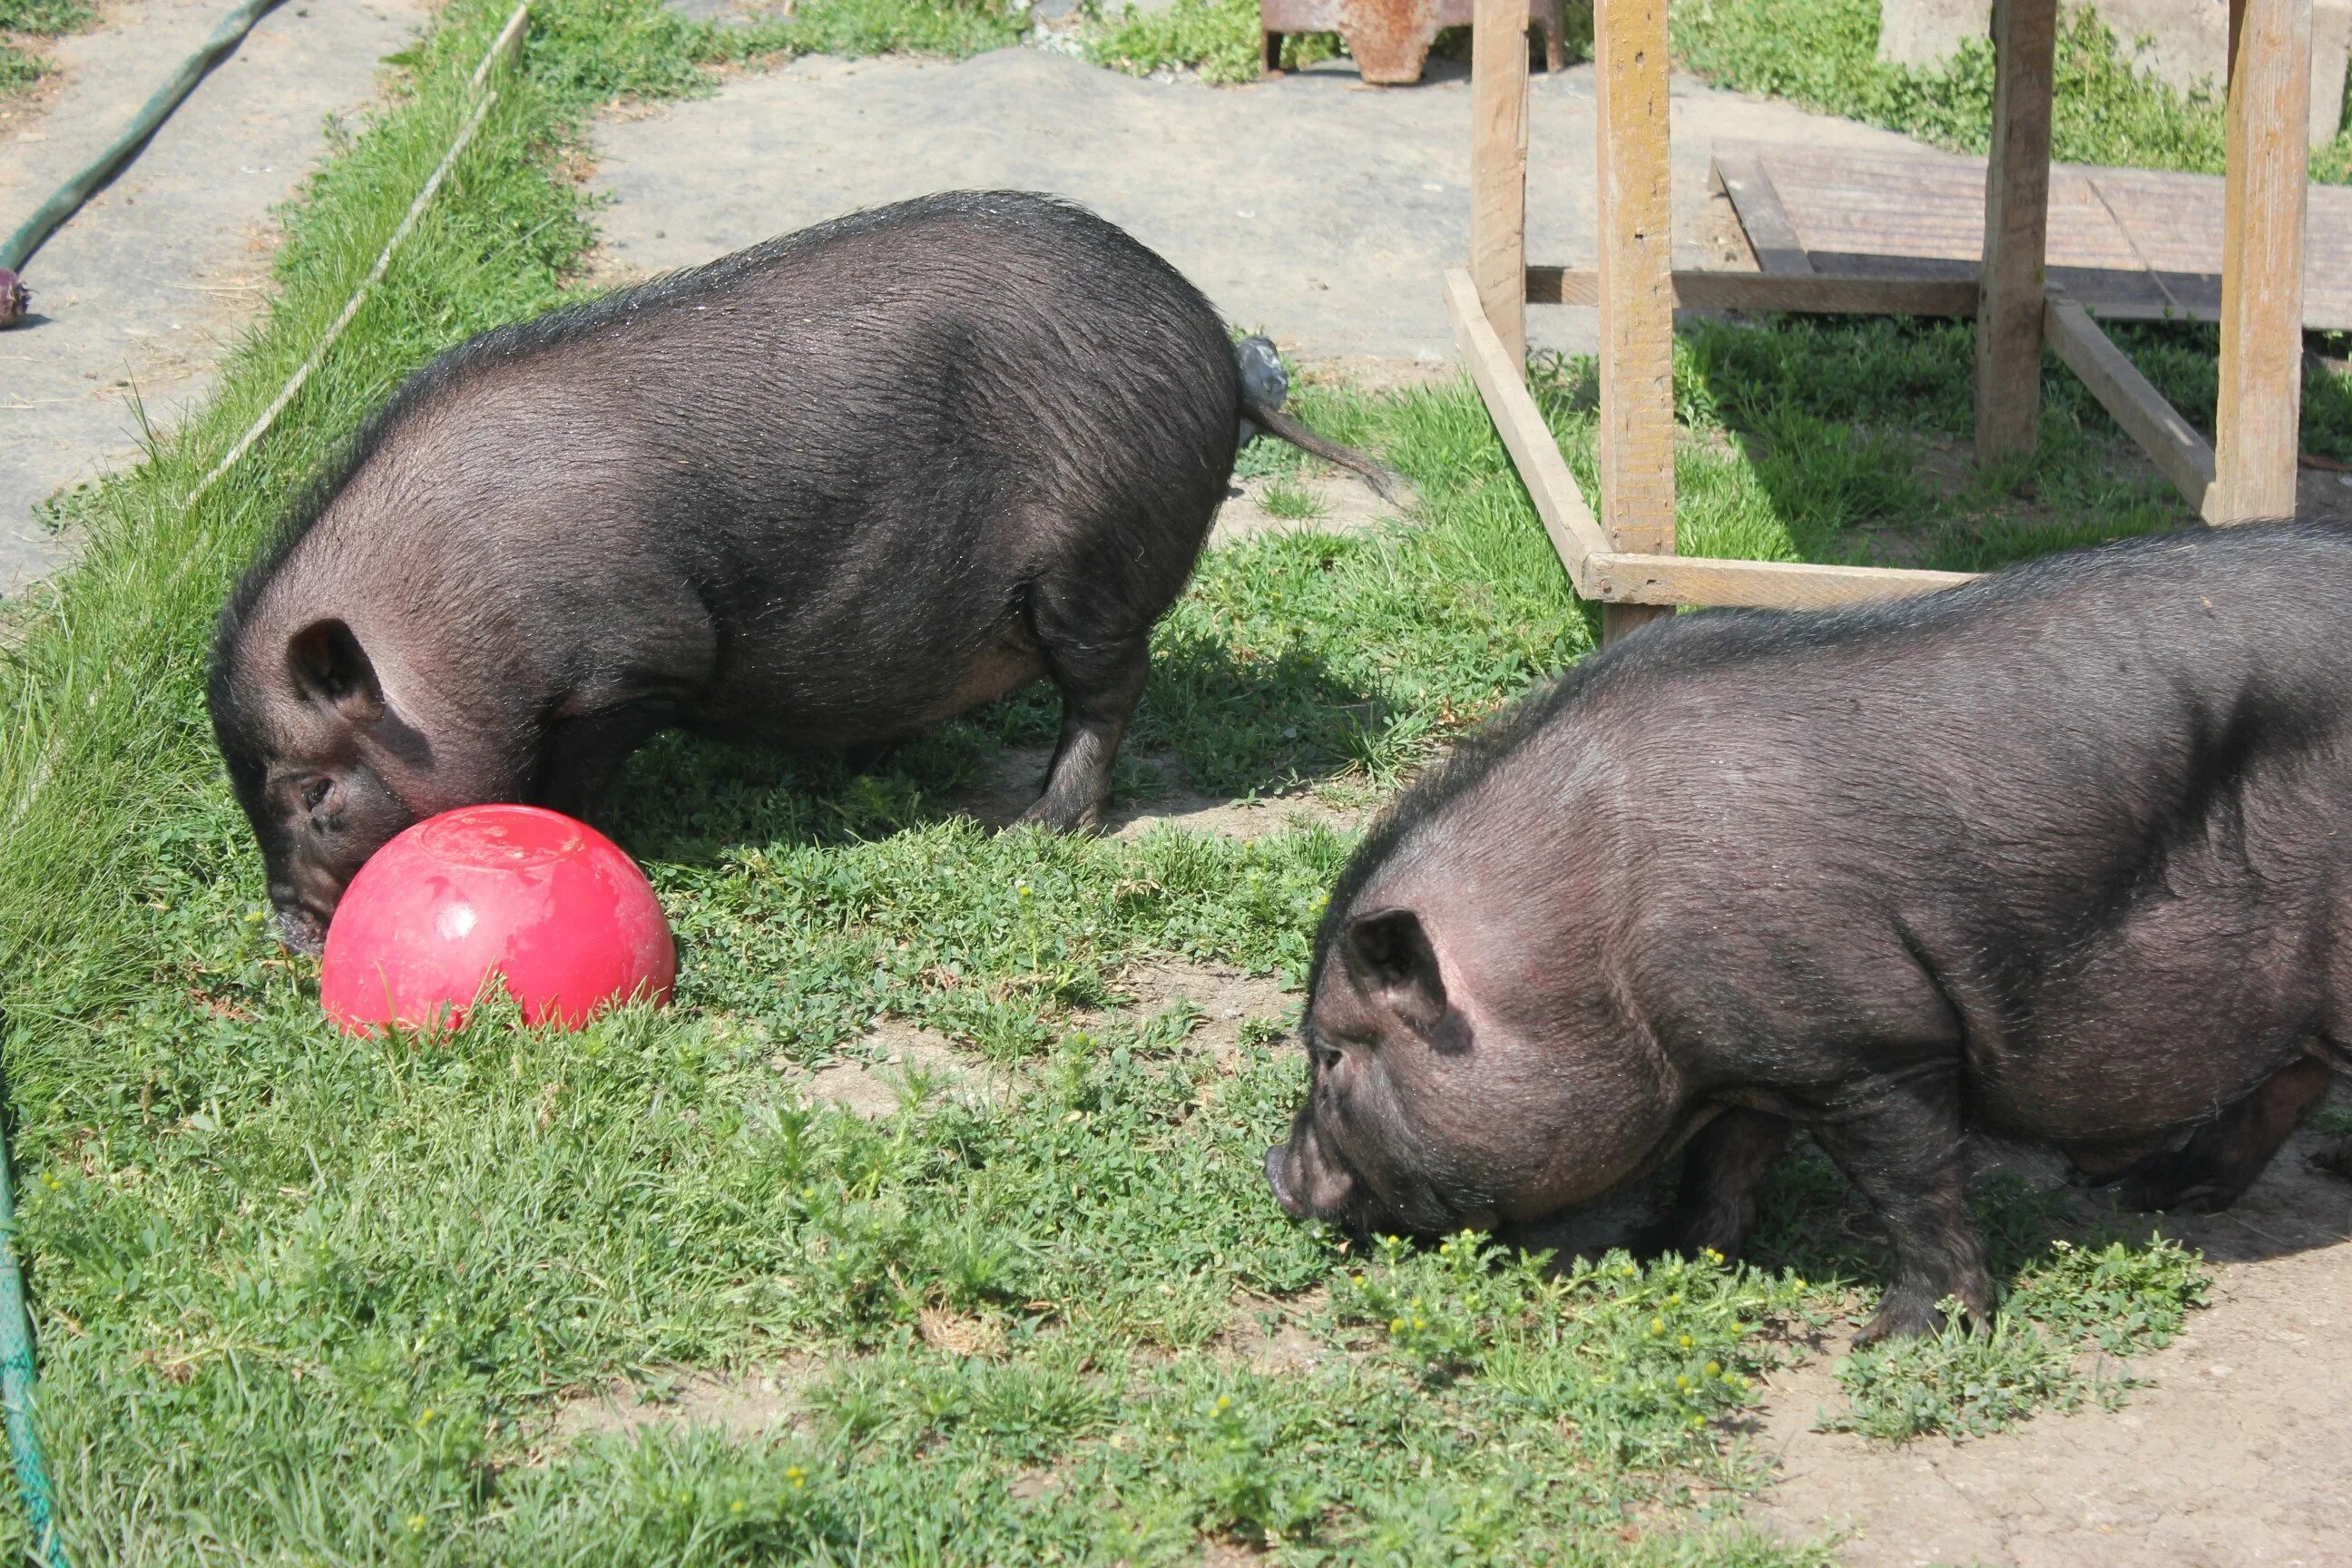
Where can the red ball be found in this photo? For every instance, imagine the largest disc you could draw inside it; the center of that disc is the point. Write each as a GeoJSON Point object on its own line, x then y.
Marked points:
{"type": "Point", "coordinates": [549, 904]}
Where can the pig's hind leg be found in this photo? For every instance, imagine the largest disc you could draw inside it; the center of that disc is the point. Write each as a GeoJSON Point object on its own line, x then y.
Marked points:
{"type": "Point", "coordinates": [1898, 1139]}
{"type": "Point", "coordinates": [2215, 1167]}
{"type": "Point", "coordinates": [1100, 683]}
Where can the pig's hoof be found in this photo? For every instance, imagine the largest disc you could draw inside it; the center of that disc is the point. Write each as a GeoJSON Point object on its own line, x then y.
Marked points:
{"type": "Point", "coordinates": [1057, 817]}
{"type": "Point", "coordinates": [2161, 1192]}
{"type": "Point", "coordinates": [1911, 1314]}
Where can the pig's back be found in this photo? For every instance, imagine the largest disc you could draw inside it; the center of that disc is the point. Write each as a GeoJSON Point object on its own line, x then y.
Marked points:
{"type": "Point", "coordinates": [852, 449]}
{"type": "Point", "coordinates": [2100, 805]}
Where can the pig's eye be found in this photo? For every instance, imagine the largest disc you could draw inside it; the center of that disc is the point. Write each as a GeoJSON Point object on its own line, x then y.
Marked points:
{"type": "Point", "coordinates": [314, 792]}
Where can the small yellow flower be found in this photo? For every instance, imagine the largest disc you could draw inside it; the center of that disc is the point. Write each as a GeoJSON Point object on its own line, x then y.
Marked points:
{"type": "Point", "coordinates": [1714, 1369]}
{"type": "Point", "coordinates": [1657, 1325]}
{"type": "Point", "coordinates": [735, 1507]}
{"type": "Point", "coordinates": [1396, 1325]}
{"type": "Point", "coordinates": [415, 1522]}
{"type": "Point", "coordinates": [1686, 1342]}
{"type": "Point", "coordinates": [1682, 1380]}
{"type": "Point", "coordinates": [1224, 1402]}
{"type": "Point", "coordinates": [796, 1475]}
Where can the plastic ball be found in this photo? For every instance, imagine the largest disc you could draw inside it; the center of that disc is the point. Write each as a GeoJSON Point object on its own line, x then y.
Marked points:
{"type": "Point", "coordinates": [551, 906]}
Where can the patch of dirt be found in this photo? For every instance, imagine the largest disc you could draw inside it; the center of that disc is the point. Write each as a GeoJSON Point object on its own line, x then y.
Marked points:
{"type": "Point", "coordinates": [1227, 999]}
{"type": "Point", "coordinates": [1269, 1337]}
{"type": "Point", "coordinates": [1343, 504]}
{"type": "Point", "coordinates": [1374, 373]}
{"type": "Point", "coordinates": [2236, 1455]}
{"type": "Point", "coordinates": [870, 1078]}
{"type": "Point", "coordinates": [959, 1334]}
{"type": "Point", "coordinates": [1015, 774]}
{"type": "Point", "coordinates": [741, 1404]}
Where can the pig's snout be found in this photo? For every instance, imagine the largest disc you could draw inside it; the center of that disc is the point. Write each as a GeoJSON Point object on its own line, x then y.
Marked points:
{"type": "Point", "coordinates": [1276, 1158]}
{"type": "Point", "coordinates": [300, 926]}
{"type": "Point", "coordinates": [1307, 1185]}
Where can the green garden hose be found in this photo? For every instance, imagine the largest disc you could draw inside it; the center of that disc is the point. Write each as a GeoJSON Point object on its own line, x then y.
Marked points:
{"type": "Point", "coordinates": [18, 247]}
{"type": "Point", "coordinates": [16, 1387]}
{"type": "Point", "coordinates": [16, 1323]}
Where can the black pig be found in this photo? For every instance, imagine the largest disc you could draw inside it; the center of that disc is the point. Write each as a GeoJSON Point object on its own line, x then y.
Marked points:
{"type": "Point", "coordinates": [819, 494]}
{"type": "Point", "coordinates": [2063, 855]}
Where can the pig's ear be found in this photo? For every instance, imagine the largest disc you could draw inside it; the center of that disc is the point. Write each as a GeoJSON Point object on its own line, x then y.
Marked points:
{"type": "Point", "coordinates": [1390, 953]}
{"type": "Point", "coordinates": [330, 667]}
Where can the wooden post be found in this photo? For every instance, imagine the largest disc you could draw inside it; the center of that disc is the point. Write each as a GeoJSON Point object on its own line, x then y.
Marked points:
{"type": "Point", "coordinates": [2017, 222]}
{"type": "Point", "coordinates": [1498, 170]}
{"type": "Point", "coordinates": [2257, 428]}
{"type": "Point", "coordinates": [1636, 286]}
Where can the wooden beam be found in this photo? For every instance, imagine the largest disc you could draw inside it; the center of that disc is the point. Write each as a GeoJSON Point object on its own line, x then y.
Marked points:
{"type": "Point", "coordinates": [2171, 443]}
{"type": "Point", "coordinates": [1501, 381]}
{"type": "Point", "coordinates": [1636, 435]}
{"type": "Point", "coordinates": [1498, 168]}
{"type": "Point", "coordinates": [1637, 579]}
{"type": "Point", "coordinates": [1762, 218]}
{"type": "Point", "coordinates": [2258, 420]}
{"type": "Point", "coordinates": [1813, 292]}
{"type": "Point", "coordinates": [2016, 234]}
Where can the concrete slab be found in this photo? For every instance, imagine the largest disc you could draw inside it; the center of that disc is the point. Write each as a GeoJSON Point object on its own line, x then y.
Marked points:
{"type": "Point", "coordinates": [144, 289]}
{"type": "Point", "coordinates": [1314, 207]}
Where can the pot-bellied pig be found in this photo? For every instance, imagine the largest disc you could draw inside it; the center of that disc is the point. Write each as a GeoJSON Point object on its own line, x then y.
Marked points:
{"type": "Point", "coordinates": [2063, 855]}
{"type": "Point", "coordinates": [819, 494]}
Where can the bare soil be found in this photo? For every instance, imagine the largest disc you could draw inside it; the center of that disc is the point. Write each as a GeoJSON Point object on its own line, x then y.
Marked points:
{"type": "Point", "coordinates": [2236, 1455]}
{"type": "Point", "coordinates": [1018, 772]}
{"type": "Point", "coordinates": [872, 1077]}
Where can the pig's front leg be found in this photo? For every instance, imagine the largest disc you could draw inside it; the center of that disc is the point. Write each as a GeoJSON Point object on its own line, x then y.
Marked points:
{"type": "Point", "coordinates": [1716, 1203]}
{"type": "Point", "coordinates": [1898, 1139]}
{"type": "Point", "coordinates": [584, 752]}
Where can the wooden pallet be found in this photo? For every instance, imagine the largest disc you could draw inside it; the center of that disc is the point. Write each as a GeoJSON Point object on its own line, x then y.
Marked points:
{"type": "Point", "coordinates": [2127, 239]}
{"type": "Point", "coordinates": [2126, 244]}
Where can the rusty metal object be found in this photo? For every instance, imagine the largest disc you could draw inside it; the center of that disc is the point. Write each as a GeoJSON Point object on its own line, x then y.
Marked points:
{"type": "Point", "coordinates": [1389, 39]}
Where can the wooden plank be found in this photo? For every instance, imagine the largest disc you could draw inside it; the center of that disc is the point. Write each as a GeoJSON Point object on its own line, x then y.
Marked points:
{"type": "Point", "coordinates": [1740, 172]}
{"type": "Point", "coordinates": [1498, 169]}
{"type": "Point", "coordinates": [504, 49]}
{"type": "Point", "coordinates": [2258, 418]}
{"type": "Point", "coordinates": [1625, 578]}
{"type": "Point", "coordinates": [2016, 229]}
{"type": "Point", "coordinates": [1501, 382]}
{"type": "Point", "coordinates": [2125, 243]}
{"type": "Point", "coordinates": [1820, 295]}
{"type": "Point", "coordinates": [1636, 435]}
{"type": "Point", "coordinates": [2171, 443]}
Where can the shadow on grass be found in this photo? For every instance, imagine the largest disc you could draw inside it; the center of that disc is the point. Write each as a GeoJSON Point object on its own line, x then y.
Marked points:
{"type": "Point", "coordinates": [1233, 725]}
{"type": "Point", "coordinates": [1859, 434]}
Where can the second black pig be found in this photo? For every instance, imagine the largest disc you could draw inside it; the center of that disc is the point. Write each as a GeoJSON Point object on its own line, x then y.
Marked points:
{"type": "Point", "coordinates": [2064, 854]}
{"type": "Point", "coordinates": [820, 494]}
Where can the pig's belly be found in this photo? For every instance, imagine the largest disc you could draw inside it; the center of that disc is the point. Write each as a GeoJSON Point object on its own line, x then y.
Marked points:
{"type": "Point", "coordinates": [837, 703]}
{"type": "Point", "coordinates": [2123, 1061]}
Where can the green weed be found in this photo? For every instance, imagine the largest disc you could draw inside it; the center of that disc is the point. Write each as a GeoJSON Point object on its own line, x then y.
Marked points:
{"type": "Point", "coordinates": [1291, 501]}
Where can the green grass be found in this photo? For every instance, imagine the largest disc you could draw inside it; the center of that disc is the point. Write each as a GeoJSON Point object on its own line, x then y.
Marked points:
{"type": "Point", "coordinates": [1823, 55]}
{"type": "Point", "coordinates": [1218, 39]}
{"type": "Point", "coordinates": [304, 1299]}
{"type": "Point", "coordinates": [19, 68]}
